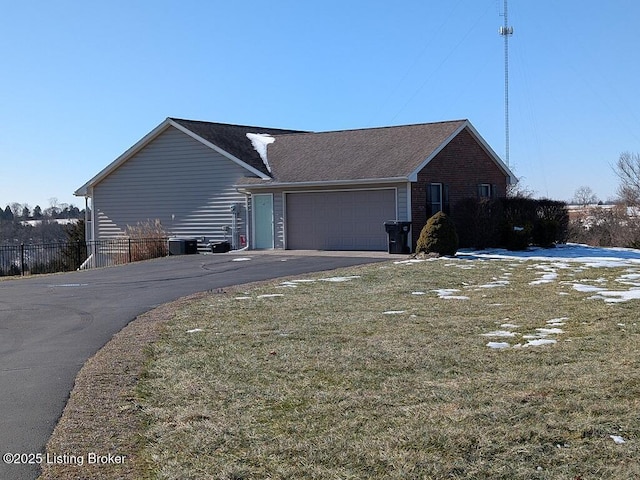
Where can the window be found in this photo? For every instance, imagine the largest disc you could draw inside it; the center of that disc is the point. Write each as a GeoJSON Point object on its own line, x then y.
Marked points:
{"type": "Point", "coordinates": [486, 190]}
{"type": "Point", "coordinates": [437, 198]}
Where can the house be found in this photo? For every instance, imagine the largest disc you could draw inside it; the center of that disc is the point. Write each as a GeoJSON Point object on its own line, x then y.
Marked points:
{"type": "Point", "coordinates": [285, 189]}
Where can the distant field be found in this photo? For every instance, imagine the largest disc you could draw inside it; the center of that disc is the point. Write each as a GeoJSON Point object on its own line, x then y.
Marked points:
{"type": "Point", "coordinates": [464, 369]}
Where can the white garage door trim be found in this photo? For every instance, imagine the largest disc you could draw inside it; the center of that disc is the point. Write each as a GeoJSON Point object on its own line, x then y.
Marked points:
{"type": "Point", "coordinates": [357, 239]}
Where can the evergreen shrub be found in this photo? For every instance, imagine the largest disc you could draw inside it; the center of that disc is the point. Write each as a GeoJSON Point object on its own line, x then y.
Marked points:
{"type": "Point", "coordinates": [438, 236]}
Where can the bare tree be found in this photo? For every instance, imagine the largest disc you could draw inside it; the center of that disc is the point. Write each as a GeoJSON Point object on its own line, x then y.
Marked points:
{"type": "Point", "coordinates": [519, 190]}
{"type": "Point", "coordinates": [585, 196]}
{"type": "Point", "coordinates": [627, 168]}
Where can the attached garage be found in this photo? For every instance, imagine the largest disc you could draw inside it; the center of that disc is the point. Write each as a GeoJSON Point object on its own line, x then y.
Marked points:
{"type": "Point", "coordinates": [339, 220]}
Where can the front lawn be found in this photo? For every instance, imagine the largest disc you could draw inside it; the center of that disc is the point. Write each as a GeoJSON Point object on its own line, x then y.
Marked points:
{"type": "Point", "coordinates": [449, 368]}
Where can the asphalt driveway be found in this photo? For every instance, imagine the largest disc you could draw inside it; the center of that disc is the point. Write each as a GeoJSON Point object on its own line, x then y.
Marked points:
{"type": "Point", "coordinates": [50, 325]}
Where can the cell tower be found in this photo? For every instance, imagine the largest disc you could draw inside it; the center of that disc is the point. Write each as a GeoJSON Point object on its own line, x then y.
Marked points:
{"type": "Point", "coordinates": [506, 31]}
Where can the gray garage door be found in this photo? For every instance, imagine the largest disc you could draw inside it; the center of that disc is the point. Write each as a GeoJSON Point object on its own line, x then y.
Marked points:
{"type": "Point", "coordinates": [352, 220]}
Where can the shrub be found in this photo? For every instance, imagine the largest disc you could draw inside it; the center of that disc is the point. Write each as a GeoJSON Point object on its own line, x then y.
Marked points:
{"type": "Point", "coordinates": [614, 226]}
{"type": "Point", "coordinates": [147, 240]}
{"type": "Point", "coordinates": [438, 236]}
{"type": "Point", "coordinates": [517, 237]}
{"type": "Point", "coordinates": [477, 222]}
{"type": "Point", "coordinates": [513, 223]}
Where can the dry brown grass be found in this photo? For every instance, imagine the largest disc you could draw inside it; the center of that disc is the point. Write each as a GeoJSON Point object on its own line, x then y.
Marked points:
{"type": "Point", "coordinates": [321, 383]}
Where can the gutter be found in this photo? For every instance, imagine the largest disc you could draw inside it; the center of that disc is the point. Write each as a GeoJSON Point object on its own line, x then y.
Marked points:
{"type": "Point", "coordinates": [318, 183]}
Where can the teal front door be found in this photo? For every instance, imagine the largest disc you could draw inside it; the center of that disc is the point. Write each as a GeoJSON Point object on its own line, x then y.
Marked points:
{"type": "Point", "coordinates": [263, 221]}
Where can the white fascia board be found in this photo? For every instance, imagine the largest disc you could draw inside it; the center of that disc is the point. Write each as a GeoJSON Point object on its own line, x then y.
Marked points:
{"type": "Point", "coordinates": [219, 150]}
{"type": "Point", "coordinates": [325, 183]}
{"type": "Point", "coordinates": [85, 189]}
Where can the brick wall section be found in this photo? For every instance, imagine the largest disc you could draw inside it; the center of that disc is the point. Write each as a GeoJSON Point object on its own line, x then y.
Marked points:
{"type": "Point", "coordinates": [462, 165]}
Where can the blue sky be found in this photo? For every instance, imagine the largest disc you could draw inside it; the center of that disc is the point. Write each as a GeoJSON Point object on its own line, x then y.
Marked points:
{"type": "Point", "coordinates": [83, 81]}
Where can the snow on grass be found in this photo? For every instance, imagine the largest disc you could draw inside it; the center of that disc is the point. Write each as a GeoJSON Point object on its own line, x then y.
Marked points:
{"type": "Point", "coordinates": [499, 333]}
{"type": "Point", "coordinates": [394, 312]}
{"type": "Point", "coordinates": [557, 322]}
{"type": "Point", "coordinates": [533, 340]}
{"type": "Point", "coordinates": [498, 345]}
{"type": "Point", "coordinates": [270, 295]}
{"type": "Point", "coordinates": [194, 330]}
{"type": "Point", "coordinates": [340, 279]}
{"type": "Point", "coordinates": [617, 439]}
{"type": "Point", "coordinates": [539, 342]}
{"type": "Point", "coordinates": [581, 287]}
{"type": "Point", "coordinates": [448, 294]}
{"type": "Point", "coordinates": [549, 331]}
{"type": "Point", "coordinates": [570, 253]}
{"type": "Point", "coordinates": [609, 296]}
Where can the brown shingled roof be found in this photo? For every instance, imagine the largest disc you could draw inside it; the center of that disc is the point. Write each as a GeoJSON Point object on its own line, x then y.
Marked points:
{"type": "Point", "coordinates": [372, 153]}
{"type": "Point", "coordinates": [233, 138]}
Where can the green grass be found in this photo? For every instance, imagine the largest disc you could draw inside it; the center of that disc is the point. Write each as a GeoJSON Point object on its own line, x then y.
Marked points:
{"type": "Point", "coordinates": [320, 383]}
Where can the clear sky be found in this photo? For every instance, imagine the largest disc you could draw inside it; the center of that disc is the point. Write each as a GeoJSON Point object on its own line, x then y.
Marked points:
{"type": "Point", "coordinates": [82, 81]}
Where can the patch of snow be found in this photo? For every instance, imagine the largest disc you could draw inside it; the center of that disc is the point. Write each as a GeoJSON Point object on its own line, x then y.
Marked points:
{"type": "Point", "coordinates": [260, 142]}
{"type": "Point", "coordinates": [418, 293]}
{"type": "Point", "coordinates": [549, 331]}
{"type": "Point", "coordinates": [499, 333]}
{"type": "Point", "coordinates": [270, 295]}
{"type": "Point", "coordinates": [194, 330]}
{"type": "Point", "coordinates": [585, 288]}
{"type": "Point", "coordinates": [569, 253]}
{"type": "Point", "coordinates": [538, 342]}
{"type": "Point", "coordinates": [340, 279]}
{"type": "Point", "coordinates": [495, 283]}
{"type": "Point", "coordinates": [394, 312]}
{"type": "Point", "coordinates": [242, 298]}
{"type": "Point", "coordinates": [509, 325]}
{"type": "Point", "coordinates": [498, 345]}
{"type": "Point", "coordinates": [448, 294]}
{"type": "Point", "coordinates": [617, 439]}
{"type": "Point", "coordinates": [410, 261]}
{"type": "Point", "coordinates": [241, 259]}
{"type": "Point", "coordinates": [546, 278]}
{"type": "Point", "coordinates": [632, 294]}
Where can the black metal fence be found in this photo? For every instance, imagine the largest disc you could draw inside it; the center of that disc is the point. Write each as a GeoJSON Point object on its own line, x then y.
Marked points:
{"type": "Point", "coordinates": [30, 259]}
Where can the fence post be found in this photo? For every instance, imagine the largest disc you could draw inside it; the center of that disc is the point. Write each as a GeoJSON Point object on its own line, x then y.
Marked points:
{"type": "Point", "coordinates": [22, 259]}
{"type": "Point", "coordinates": [129, 239]}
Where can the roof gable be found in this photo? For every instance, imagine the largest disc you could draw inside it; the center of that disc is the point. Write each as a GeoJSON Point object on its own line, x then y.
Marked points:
{"type": "Point", "coordinates": [357, 156]}
{"type": "Point", "coordinates": [373, 153]}
{"type": "Point", "coordinates": [229, 140]}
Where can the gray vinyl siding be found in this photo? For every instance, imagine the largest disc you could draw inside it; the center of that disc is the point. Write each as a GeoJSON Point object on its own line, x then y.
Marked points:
{"type": "Point", "coordinates": [177, 180]}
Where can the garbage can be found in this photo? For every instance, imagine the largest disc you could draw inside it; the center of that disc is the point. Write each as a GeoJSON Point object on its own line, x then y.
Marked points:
{"type": "Point", "coordinates": [398, 233]}
{"type": "Point", "coordinates": [177, 246]}
{"type": "Point", "coordinates": [183, 246]}
{"type": "Point", "coordinates": [220, 247]}
{"type": "Point", "coordinates": [191, 246]}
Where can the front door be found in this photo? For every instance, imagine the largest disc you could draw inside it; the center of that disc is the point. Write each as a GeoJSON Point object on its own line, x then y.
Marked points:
{"type": "Point", "coordinates": [263, 221]}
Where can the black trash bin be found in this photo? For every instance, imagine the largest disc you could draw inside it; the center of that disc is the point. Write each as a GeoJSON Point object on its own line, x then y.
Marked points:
{"type": "Point", "coordinates": [183, 246]}
{"type": "Point", "coordinates": [398, 236]}
{"type": "Point", "coordinates": [220, 247]}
